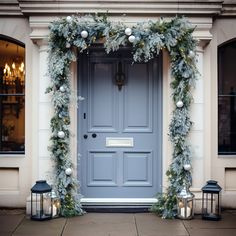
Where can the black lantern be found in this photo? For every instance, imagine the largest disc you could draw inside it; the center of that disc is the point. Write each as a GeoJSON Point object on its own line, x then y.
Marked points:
{"type": "Point", "coordinates": [211, 201]}
{"type": "Point", "coordinates": [41, 201]}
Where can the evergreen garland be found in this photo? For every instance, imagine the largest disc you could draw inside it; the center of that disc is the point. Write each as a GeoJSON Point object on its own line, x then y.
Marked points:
{"type": "Point", "coordinates": [147, 40]}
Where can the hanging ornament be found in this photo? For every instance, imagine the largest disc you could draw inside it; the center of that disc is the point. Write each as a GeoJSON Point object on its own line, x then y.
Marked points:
{"type": "Point", "coordinates": [68, 171]}
{"type": "Point", "coordinates": [69, 19]}
{"type": "Point", "coordinates": [191, 54]}
{"type": "Point", "coordinates": [187, 166]}
{"type": "Point", "coordinates": [61, 134]}
{"type": "Point", "coordinates": [62, 89]}
{"type": "Point", "coordinates": [179, 104]}
{"type": "Point", "coordinates": [68, 45]}
{"type": "Point", "coordinates": [84, 34]}
{"type": "Point", "coordinates": [131, 38]}
{"type": "Point", "coordinates": [128, 31]}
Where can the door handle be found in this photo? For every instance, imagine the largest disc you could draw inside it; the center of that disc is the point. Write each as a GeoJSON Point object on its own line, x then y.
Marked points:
{"type": "Point", "coordinates": [94, 135]}
{"type": "Point", "coordinates": [85, 136]}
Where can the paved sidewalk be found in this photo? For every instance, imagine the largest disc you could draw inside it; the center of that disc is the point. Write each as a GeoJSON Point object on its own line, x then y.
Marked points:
{"type": "Point", "coordinates": [14, 222]}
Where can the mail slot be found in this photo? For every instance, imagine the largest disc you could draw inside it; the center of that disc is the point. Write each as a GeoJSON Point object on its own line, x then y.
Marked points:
{"type": "Point", "coordinates": [119, 142]}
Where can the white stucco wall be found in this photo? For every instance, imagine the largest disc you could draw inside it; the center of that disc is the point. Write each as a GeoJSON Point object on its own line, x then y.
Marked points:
{"type": "Point", "coordinates": [16, 170]}
{"type": "Point", "coordinates": [222, 31]}
{"type": "Point", "coordinates": [36, 163]}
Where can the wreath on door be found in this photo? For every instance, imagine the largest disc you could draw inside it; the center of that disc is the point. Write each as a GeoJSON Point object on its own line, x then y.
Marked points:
{"type": "Point", "coordinates": [147, 39]}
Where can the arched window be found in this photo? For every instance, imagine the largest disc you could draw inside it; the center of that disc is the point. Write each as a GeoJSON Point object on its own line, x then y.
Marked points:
{"type": "Point", "coordinates": [12, 96]}
{"type": "Point", "coordinates": [227, 98]}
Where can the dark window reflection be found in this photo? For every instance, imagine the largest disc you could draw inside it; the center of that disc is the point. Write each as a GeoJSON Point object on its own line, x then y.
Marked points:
{"type": "Point", "coordinates": [12, 97]}
{"type": "Point", "coordinates": [227, 99]}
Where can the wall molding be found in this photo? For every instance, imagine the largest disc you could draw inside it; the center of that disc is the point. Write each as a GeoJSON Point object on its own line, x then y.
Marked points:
{"type": "Point", "coordinates": [131, 7]}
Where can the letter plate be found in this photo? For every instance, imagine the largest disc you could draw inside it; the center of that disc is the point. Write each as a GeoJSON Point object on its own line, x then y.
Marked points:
{"type": "Point", "coordinates": [119, 142]}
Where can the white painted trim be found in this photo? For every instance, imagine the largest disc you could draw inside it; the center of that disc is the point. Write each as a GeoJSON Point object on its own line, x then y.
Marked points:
{"type": "Point", "coordinates": [118, 201]}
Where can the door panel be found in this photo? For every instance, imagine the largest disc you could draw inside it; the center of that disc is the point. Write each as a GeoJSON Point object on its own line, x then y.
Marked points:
{"type": "Point", "coordinates": [142, 174]}
{"type": "Point", "coordinates": [96, 174]}
{"type": "Point", "coordinates": [138, 100]}
{"type": "Point", "coordinates": [102, 112]}
{"type": "Point", "coordinates": [121, 152]}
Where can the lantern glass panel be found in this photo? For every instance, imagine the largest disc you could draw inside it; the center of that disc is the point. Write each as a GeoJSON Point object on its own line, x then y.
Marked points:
{"type": "Point", "coordinates": [41, 206]}
{"type": "Point", "coordinates": [211, 209]}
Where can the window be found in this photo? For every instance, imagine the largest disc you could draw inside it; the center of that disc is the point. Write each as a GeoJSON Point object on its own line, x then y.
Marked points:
{"type": "Point", "coordinates": [227, 98]}
{"type": "Point", "coordinates": [12, 96]}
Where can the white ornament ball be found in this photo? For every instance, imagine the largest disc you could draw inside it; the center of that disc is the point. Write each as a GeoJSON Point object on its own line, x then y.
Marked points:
{"type": "Point", "coordinates": [69, 18]}
{"type": "Point", "coordinates": [68, 45]}
{"type": "Point", "coordinates": [61, 134]}
{"type": "Point", "coordinates": [191, 54]}
{"type": "Point", "coordinates": [62, 89]}
{"type": "Point", "coordinates": [128, 31]}
{"type": "Point", "coordinates": [68, 171]}
{"type": "Point", "coordinates": [179, 104]}
{"type": "Point", "coordinates": [187, 166]}
{"type": "Point", "coordinates": [84, 34]}
{"type": "Point", "coordinates": [131, 38]}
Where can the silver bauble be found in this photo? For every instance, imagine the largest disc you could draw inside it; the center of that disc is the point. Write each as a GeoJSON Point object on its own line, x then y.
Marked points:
{"type": "Point", "coordinates": [131, 38]}
{"type": "Point", "coordinates": [68, 18]}
{"type": "Point", "coordinates": [68, 171]}
{"type": "Point", "coordinates": [84, 34]}
{"type": "Point", "coordinates": [187, 167]}
{"type": "Point", "coordinates": [128, 31]}
{"type": "Point", "coordinates": [61, 134]}
{"type": "Point", "coordinates": [191, 54]}
{"type": "Point", "coordinates": [68, 45]}
{"type": "Point", "coordinates": [179, 104]}
{"type": "Point", "coordinates": [62, 89]}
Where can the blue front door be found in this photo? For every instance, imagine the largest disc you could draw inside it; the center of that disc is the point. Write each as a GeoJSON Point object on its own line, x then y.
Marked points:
{"type": "Point", "coordinates": [119, 126]}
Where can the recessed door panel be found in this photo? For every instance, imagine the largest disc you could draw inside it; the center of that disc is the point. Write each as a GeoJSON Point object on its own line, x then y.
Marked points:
{"type": "Point", "coordinates": [95, 164]}
{"type": "Point", "coordinates": [142, 174]}
{"type": "Point", "coordinates": [101, 111]}
{"type": "Point", "coordinates": [138, 100]}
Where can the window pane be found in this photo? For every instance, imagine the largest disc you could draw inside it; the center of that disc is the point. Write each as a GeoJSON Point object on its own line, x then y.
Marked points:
{"type": "Point", "coordinates": [12, 99]}
{"type": "Point", "coordinates": [227, 69]}
{"type": "Point", "coordinates": [227, 125]}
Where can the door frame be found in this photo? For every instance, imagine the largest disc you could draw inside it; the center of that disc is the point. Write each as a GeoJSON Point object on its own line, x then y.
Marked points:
{"type": "Point", "coordinates": [120, 203]}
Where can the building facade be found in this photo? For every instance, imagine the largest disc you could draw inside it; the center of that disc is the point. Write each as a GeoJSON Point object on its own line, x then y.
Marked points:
{"type": "Point", "coordinates": [27, 110]}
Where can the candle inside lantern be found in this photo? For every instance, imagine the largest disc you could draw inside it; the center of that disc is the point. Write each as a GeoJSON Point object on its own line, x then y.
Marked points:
{"type": "Point", "coordinates": [188, 212]}
{"type": "Point", "coordinates": [54, 210]}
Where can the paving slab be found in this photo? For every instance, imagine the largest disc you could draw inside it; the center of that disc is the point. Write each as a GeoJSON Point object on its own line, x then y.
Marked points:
{"type": "Point", "coordinates": [116, 224]}
{"type": "Point", "coordinates": [9, 220]}
{"type": "Point", "coordinates": [212, 232]}
{"type": "Point", "coordinates": [149, 224]}
{"type": "Point", "coordinates": [40, 228]}
{"type": "Point", "coordinates": [228, 221]}
{"type": "Point", "coordinates": [9, 223]}
{"type": "Point", "coordinates": [105, 224]}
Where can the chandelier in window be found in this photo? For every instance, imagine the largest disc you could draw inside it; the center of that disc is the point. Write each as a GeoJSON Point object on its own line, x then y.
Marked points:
{"type": "Point", "coordinates": [14, 73]}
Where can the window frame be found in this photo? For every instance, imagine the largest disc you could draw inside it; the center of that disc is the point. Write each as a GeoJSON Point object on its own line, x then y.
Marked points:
{"type": "Point", "coordinates": [220, 95]}
{"type": "Point", "coordinates": [19, 43]}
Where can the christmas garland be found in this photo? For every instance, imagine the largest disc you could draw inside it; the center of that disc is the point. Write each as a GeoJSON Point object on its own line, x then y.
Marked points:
{"type": "Point", "coordinates": [147, 39]}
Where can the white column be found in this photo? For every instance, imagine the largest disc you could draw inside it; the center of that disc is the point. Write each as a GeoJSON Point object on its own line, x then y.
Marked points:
{"type": "Point", "coordinates": [197, 131]}
{"type": "Point", "coordinates": [45, 112]}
